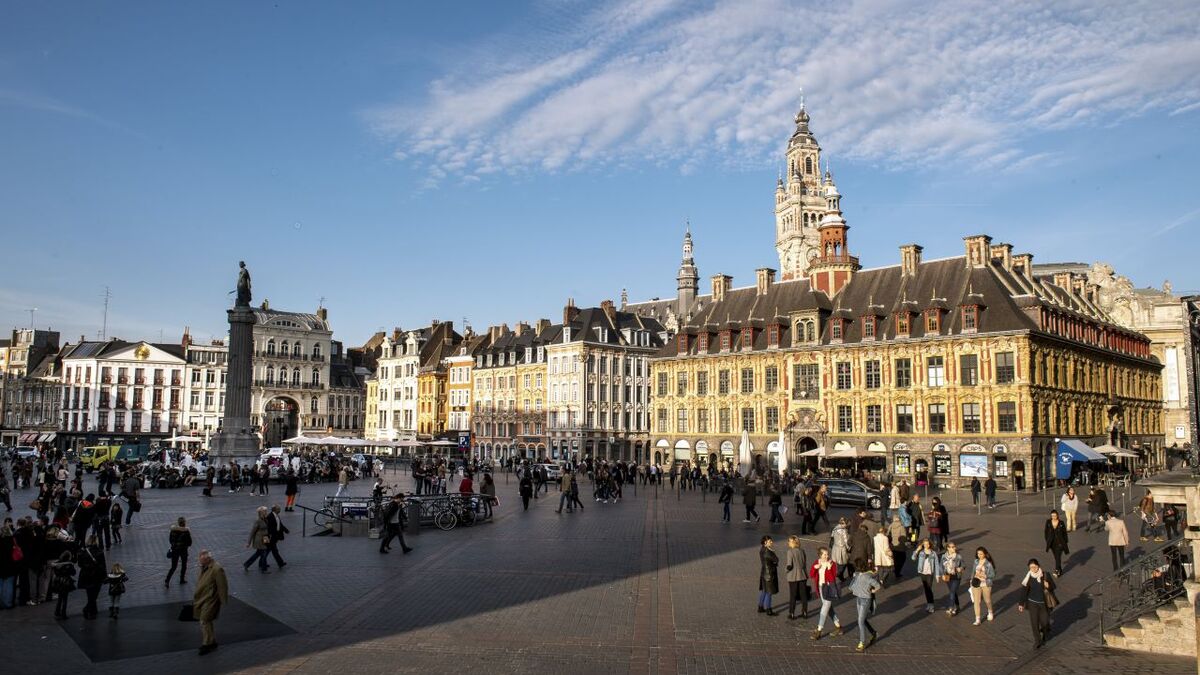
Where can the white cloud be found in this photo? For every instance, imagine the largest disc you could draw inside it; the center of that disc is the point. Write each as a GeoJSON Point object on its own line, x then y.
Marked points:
{"type": "Point", "coordinates": [891, 82]}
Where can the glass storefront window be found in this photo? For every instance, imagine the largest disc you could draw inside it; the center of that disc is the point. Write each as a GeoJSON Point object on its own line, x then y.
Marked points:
{"type": "Point", "coordinates": [902, 464]}
{"type": "Point", "coordinates": [1001, 464]}
{"type": "Point", "coordinates": [943, 465]}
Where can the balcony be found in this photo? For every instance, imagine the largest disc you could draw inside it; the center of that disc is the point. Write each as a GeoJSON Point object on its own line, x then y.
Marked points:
{"type": "Point", "coordinates": [158, 380]}
{"type": "Point", "coordinates": [122, 379]}
{"type": "Point", "coordinates": [107, 379]}
{"type": "Point", "coordinates": [139, 381]}
{"type": "Point", "coordinates": [176, 382]}
{"type": "Point", "coordinates": [121, 404]}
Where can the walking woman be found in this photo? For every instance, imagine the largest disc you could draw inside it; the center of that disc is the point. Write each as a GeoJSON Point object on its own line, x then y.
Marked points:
{"type": "Point", "coordinates": [952, 569]}
{"type": "Point", "coordinates": [1056, 541]}
{"type": "Point", "coordinates": [929, 567]}
{"type": "Point", "coordinates": [768, 575]}
{"type": "Point", "coordinates": [840, 541]}
{"type": "Point", "coordinates": [62, 583]}
{"type": "Point", "coordinates": [179, 540]}
{"type": "Point", "coordinates": [824, 574]}
{"type": "Point", "coordinates": [884, 561]}
{"type": "Point", "coordinates": [291, 489]}
{"type": "Point", "coordinates": [525, 489]}
{"type": "Point", "coordinates": [983, 573]}
{"type": "Point", "coordinates": [863, 587]}
{"type": "Point", "coordinates": [1070, 506]}
{"type": "Point", "coordinates": [93, 573]}
{"type": "Point", "coordinates": [1037, 599]}
{"type": "Point", "coordinates": [797, 576]}
{"type": "Point", "coordinates": [898, 540]}
{"type": "Point", "coordinates": [822, 499]}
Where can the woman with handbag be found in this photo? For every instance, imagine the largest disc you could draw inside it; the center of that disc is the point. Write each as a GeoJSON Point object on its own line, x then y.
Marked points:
{"type": "Point", "coordinates": [768, 575]}
{"type": "Point", "coordinates": [260, 541]}
{"type": "Point", "coordinates": [62, 583]}
{"type": "Point", "coordinates": [797, 575]}
{"type": "Point", "coordinates": [1056, 540]}
{"type": "Point", "coordinates": [952, 568]}
{"type": "Point", "coordinates": [982, 576]}
{"type": "Point", "coordinates": [839, 540]}
{"type": "Point", "coordinates": [929, 568]}
{"type": "Point", "coordinates": [178, 543]}
{"type": "Point", "coordinates": [824, 573]}
{"type": "Point", "coordinates": [1037, 599]}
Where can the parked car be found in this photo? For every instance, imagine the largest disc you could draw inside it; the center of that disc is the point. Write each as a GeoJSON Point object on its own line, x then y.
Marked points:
{"type": "Point", "coordinates": [850, 492]}
{"type": "Point", "coordinates": [25, 452]}
{"type": "Point", "coordinates": [553, 471]}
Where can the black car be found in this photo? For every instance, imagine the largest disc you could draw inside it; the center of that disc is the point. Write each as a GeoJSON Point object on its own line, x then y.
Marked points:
{"type": "Point", "coordinates": [851, 492]}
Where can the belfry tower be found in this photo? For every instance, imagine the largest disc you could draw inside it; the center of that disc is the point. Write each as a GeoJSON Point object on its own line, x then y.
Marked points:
{"type": "Point", "coordinates": [689, 277]}
{"type": "Point", "coordinates": [800, 202]}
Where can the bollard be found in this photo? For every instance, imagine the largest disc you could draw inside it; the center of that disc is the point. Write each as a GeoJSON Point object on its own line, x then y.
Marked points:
{"type": "Point", "coordinates": [414, 518]}
{"type": "Point", "coordinates": [1018, 493]}
{"type": "Point", "coordinates": [656, 489]}
{"type": "Point", "coordinates": [955, 497]}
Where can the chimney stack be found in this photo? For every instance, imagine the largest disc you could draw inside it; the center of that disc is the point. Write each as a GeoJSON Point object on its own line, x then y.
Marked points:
{"type": "Point", "coordinates": [1079, 285]}
{"type": "Point", "coordinates": [1063, 280]}
{"type": "Point", "coordinates": [1002, 253]}
{"type": "Point", "coordinates": [764, 278]}
{"type": "Point", "coordinates": [1023, 263]}
{"type": "Point", "coordinates": [322, 314]}
{"type": "Point", "coordinates": [609, 311]}
{"type": "Point", "coordinates": [979, 250]}
{"type": "Point", "coordinates": [721, 283]}
{"type": "Point", "coordinates": [910, 259]}
{"type": "Point", "coordinates": [570, 311]}
{"type": "Point", "coordinates": [541, 325]}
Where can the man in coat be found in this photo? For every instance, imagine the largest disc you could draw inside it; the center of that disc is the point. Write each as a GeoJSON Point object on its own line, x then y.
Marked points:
{"type": "Point", "coordinates": [1118, 539]}
{"type": "Point", "coordinates": [275, 531]}
{"type": "Point", "coordinates": [212, 592]}
{"type": "Point", "coordinates": [393, 524]}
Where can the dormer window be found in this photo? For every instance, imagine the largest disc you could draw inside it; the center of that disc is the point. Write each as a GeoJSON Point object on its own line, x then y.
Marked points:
{"type": "Point", "coordinates": [726, 340]}
{"type": "Point", "coordinates": [747, 338]}
{"type": "Point", "coordinates": [773, 335]}
{"type": "Point", "coordinates": [702, 343]}
{"type": "Point", "coordinates": [970, 319]}
{"type": "Point", "coordinates": [868, 327]}
{"type": "Point", "coordinates": [804, 331]}
{"type": "Point", "coordinates": [682, 340]}
{"type": "Point", "coordinates": [528, 354]}
{"type": "Point", "coordinates": [902, 324]}
{"type": "Point", "coordinates": [835, 329]}
{"type": "Point", "coordinates": [933, 321]}
{"type": "Point", "coordinates": [541, 354]}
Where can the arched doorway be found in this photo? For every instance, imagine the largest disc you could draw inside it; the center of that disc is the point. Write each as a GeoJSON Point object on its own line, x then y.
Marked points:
{"type": "Point", "coordinates": [804, 445]}
{"type": "Point", "coordinates": [1018, 472]}
{"type": "Point", "coordinates": [281, 418]}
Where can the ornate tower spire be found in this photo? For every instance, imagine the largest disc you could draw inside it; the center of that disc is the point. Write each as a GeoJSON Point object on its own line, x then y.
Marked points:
{"type": "Point", "coordinates": [801, 206]}
{"type": "Point", "coordinates": [689, 275]}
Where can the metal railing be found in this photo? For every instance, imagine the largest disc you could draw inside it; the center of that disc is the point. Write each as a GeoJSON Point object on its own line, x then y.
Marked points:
{"type": "Point", "coordinates": [1149, 581]}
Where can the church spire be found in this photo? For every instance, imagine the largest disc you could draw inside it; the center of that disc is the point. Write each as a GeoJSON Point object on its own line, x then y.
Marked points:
{"type": "Point", "coordinates": [689, 275]}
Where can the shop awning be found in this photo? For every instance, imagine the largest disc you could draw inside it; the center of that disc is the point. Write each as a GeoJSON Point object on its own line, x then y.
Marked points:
{"type": "Point", "coordinates": [27, 438]}
{"type": "Point", "coordinates": [46, 438]}
{"type": "Point", "coordinates": [1080, 451]}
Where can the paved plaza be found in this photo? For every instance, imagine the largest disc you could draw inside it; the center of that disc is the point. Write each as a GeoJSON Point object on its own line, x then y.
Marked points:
{"type": "Point", "coordinates": [654, 583]}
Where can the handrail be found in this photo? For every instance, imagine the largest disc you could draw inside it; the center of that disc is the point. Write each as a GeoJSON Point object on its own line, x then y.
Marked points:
{"type": "Point", "coordinates": [1140, 585]}
{"type": "Point", "coordinates": [304, 521]}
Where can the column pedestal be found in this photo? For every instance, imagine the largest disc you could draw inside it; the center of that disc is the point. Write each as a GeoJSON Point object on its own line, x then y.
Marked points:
{"type": "Point", "coordinates": [237, 440]}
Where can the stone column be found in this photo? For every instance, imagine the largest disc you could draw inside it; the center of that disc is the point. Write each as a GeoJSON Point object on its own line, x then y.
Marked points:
{"type": "Point", "coordinates": [237, 440]}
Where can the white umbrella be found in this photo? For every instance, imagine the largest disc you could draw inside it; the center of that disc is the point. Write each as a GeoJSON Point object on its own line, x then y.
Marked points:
{"type": "Point", "coordinates": [818, 451]}
{"type": "Point", "coordinates": [300, 440]}
{"type": "Point", "coordinates": [783, 454]}
{"type": "Point", "coordinates": [184, 439]}
{"type": "Point", "coordinates": [744, 451]}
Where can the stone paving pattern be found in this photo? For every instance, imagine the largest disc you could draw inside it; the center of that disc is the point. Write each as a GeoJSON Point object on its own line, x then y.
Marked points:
{"type": "Point", "coordinates": [653, 584]}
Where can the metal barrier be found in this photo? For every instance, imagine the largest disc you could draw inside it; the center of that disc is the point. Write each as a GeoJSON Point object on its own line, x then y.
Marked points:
{"type": "Point", "coordinates": [1151, 580]}
{"type": "Point", "coordinates": [450, 510]}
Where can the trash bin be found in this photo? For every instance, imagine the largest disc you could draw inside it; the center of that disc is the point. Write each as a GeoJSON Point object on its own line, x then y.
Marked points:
{"type": "Point", "coordinates": [414, 518]}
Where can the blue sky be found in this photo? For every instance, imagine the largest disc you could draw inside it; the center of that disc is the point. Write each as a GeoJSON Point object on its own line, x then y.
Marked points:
{"type": "Point", "coordinates": [411, 161]}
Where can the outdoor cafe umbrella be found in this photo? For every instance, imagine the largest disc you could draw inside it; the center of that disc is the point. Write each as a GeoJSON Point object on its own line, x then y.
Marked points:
{"type": "Point", "coordinates": [1115, 451]}
{"type": "Point", "coordinates": [783, 454]}
{"type": "Point", "coordinates": [744, 451]}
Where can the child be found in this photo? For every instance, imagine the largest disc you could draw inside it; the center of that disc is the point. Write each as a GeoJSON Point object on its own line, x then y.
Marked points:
{"type": "Point", "coordinates": [63, 582]}
{"type": "Point", "coordinates": [115, 521]}
{"type": "Point", "coordinates": [116, 588]}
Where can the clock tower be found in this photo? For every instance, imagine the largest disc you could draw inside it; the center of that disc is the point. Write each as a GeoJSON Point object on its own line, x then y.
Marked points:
{"type": "Point", "coordinates": [800, 202]}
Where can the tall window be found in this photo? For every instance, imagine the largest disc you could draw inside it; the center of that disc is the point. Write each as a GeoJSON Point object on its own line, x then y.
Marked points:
{"type": "Point", "coordinates": [771, 378]}
{"type": "Point", "coordinates": [702, 383]}
{"type": "Point", "coordinates": [772, 419]}
{"type": "Point", "coordinates": [937, 418]}
{"type": "Point", "coordinates": [747, 380]}
{"type": "Point", "coordinates": [1006, 372]}
{"type": "Point", "coordinates": [748, 420]}
{"type": "Point", "coordinates": [726, 339]}
{"type": "Point", "coordinates": [270, 348]}
{"type": "Point", "coordinates": [662, 384]}
{"type": "Point", "coordinates": [874, 419]}
{"type": "Point", "coordinates": [844, 378]}
{"type": "Point", "coordinates": [662, 420]}
{"type": "Point", "coordinates": [702, 421]}
{"type": "Point", "coordinates": [845, 419]}
{"type": "Point", "coordinates": [316, 376]}
{"type": "Point", "coordinates": [295, 376]}
{"type": "Point", "coordinates": [723, 382]}
{"type": "Point", "coordinates": [903, 373]}
{"type": "Point", "coordinates": [270, 374]}
{"type": "Point", "coordinates": [937, 371]}
{"type": "Point", "coordinates": [1006, 417]}
{"type": "Point", "coordinates": [871, 374]}
{"type": "Point", "coordinates": [681, 383]}
{"type": "Point", "coordinates": [806, 381]}
{"type": "Point", "coordinates": [902, 324]}
{"type": "Point", "coordinates": [681, 421]}
{"type": "Point", "coordinates": [723, 421]}
{"type": "Point", "coordinates": [933, 321]}
{"type": "Point", "coordinates": [970, 319]}
{"type": "Point", "coordinates": [970, 418]}
{"type": "Point", "coordinates": [835, 329]}
{"type": "Point", "coordinates": [968, 366]}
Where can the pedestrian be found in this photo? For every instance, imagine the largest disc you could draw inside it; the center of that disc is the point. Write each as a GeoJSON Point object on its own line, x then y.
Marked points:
{"type": "Point", "coordinates": [863, 587]}
{"type": "Point", "coordinates": [898, 541]}
{"type": "Point", "coordinates": [260, 541]}
{"type": "Point", "coordinates": [839, 542]}
{"type": "Point", "coordinates": [824, 575]}
{"type": "Point", "coordinates": [564, 490]}
{"type": "Point", "coordinates": [487, 491]}
{"type": "Point", "coordinates": [806, 510]}
{"type": "Point", "coordinates": [1170, 519]}
{"type": "Point", "coordinates": [1149, 517]}
{"type": "Point", "coordinates": [291, 489]}
{"type": "Point", "coordinates": [1069, 504]}
{"type": "Point", "coordinates": [210, 475]}
{"type": "Point", "coordinates": [976, 488]}
{"type": "Point", "coordinates": [933, 522]}
{"type": "Point", "coordinates": [929, 568]}
{"type": "Point", "coordinates": [525, 488]}
{"type": "Point", "coordinates": [768, 575]}
{"type": "Point", "coordinates": [11, 557]}
{"type": "Point", "coordinates": [116, 588]}
{"type": "Point", "coordinates": [1097, 502]}
{"type": "Point", "coordinates": [775, 499]}
{"type": "Point", "coordinates": [264, 480]}
{"type": "Point", "coordinates": [212, 592]}
{"type": "Point", "coordinates": [952, 569]}
{"type": "Point", "coordinates": [93, 572]}
{"type": "Point", "coordinates": [1037, 599]}
{"type": "Point", "coordinates": [725, 499]}
{"type": "Point", "coordinates": [884, 560]}
{"type": "Point", "coordinates": [1118, 539]}
{"type": "Point", "coordinates": [393, 525]}
{"type": "Point", "coordinates": [749, 496]}
{"type": "Point", "coordinates": [983, 574]}
{"type": "Point", "coordinates": [797, 578]}
{"type": "Point", "coordinates": [62, 582]}
{"type": "Point", "coordinates": [100, 523]}
{"type": "Point", "coordinates": [81, 519]}
{"type": "Point", "coordinates": [179, 540]}
{"type": "Point", "coordinates": [343, 482]}
{"type": "Point", "coordinates": [916, 518]}
{"type": "Point", "coordinates": [114, 521]}
{"type": "Point", "coordinates": [276, 531]}
{"type": "Point", "coordinates": [1056, 540]}
{"type": "Point", "coordinates": [131, 489]}
{"type": "Point", "coordinates": [989, 491]}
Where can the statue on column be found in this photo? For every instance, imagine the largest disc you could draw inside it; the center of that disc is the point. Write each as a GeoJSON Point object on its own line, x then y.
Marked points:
{"type": "Point", "coordinates": [243, 285]}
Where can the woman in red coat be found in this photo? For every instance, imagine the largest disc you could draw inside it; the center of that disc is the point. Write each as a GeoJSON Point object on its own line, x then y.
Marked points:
{"type": "Point", "coordinates": [824, 576]}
